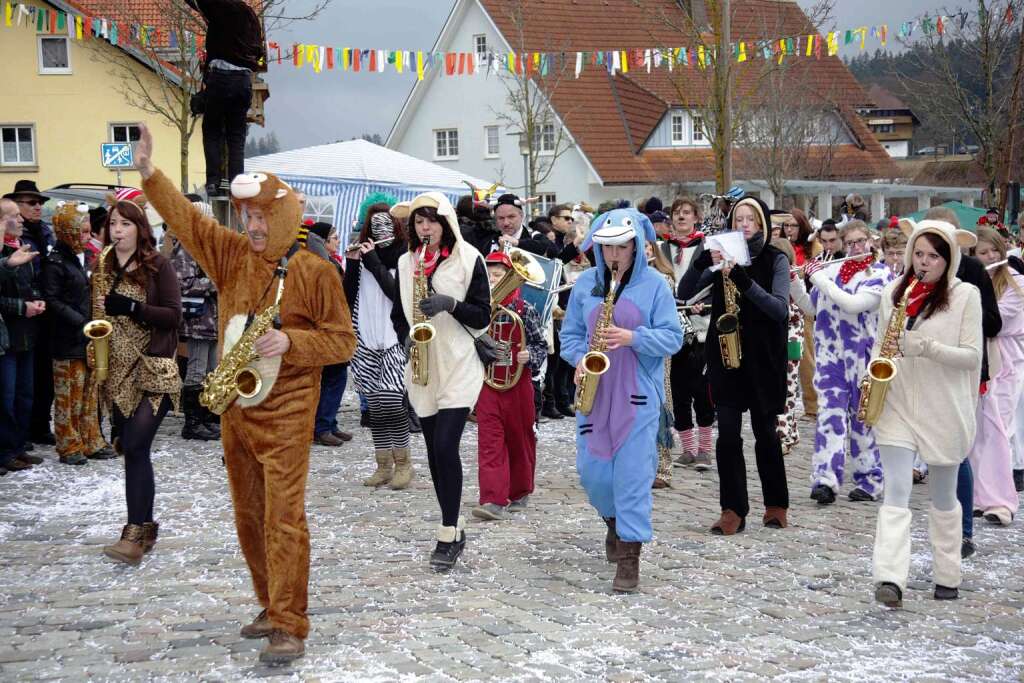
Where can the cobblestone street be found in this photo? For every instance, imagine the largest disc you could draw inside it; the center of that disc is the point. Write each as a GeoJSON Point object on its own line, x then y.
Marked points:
{"type": "Point", "coordinates": [529, 600]}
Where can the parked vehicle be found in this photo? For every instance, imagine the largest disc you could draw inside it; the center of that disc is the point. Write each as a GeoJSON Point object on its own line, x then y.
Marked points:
{"type": "Point", "coordinates": [93, 194]}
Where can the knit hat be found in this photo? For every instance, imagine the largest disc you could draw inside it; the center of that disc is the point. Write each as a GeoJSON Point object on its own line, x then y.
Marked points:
{"type": "Point", "coordinates": [510, 200]}
{"type": "Point", "coordinates": [321, 229]}
{"type": "Point", "coordinates": [498, 258]}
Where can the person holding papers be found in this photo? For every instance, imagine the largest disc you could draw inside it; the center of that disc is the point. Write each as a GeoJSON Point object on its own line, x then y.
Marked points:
{"type": "Point", "coordinates": [752, 374]}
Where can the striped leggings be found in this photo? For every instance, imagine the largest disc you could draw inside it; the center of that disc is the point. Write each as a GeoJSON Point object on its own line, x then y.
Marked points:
{"type": "Point", "coordinates": [389, 419]}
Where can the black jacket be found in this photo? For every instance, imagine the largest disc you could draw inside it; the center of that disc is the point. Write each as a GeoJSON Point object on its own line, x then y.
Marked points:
{"type": "Point", "coordinates": [65, 286]}
{"type": "Point", "coordinates": [14, 292]}
{"type": "Point", "coordinates": [485, 240]}
{"type": "Point", "coordinates": [971, 271]}
{"type": "Point", "coordinates": [233, 33]}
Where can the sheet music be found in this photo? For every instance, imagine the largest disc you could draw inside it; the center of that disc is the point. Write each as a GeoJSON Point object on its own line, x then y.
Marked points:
{"type": "Point", "coordinates": [732, 245]}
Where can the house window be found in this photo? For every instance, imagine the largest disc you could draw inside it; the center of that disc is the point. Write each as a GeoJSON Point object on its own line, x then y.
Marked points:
{"type": "Point", "coordinates": [698, 130]}
{"type": "Point", "coordinates": [545, 139]}
{"type": "Point", "coordinates": [884, 128]}
{"type": "Point", "coordinates": [480, 46]}
{"type": "Point", "coordinates": [54, 55]}
{"type": "Point", "coordinates": [491, 143]}
{"type": "Point", "coordinates": [678, 128]}
{"type": "Point", "coordinates": [547, 201]}
{"type": "Point", "coordinates": [18, 146]}
{"type": "Point", "coordinates": [125, 132]}
{"type": "Point", "coordinates": [446, 144]}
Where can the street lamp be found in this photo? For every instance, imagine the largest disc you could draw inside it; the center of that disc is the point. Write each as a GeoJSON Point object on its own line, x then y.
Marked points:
{"type": "Point", "coordinates": [524, 149]}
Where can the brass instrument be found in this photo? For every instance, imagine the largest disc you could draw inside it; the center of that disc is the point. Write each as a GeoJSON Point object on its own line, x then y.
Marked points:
{"type": "Point", "coordinates": [728, 326]}
{"type": "Point", "coordinates": [596, 361]}
{"type": "Point", "coordinates": [882, 370]}
{"type": "Point", "coordinates": [524, 269]}
{"type": "Point", "coordinates": [235, 375]}
{"type": "Point", "coordinates": [500, 375]}
{"type": "Point", "coordinates": [97, 330]}
{"type": "Point", "coordinates": [422, 332]}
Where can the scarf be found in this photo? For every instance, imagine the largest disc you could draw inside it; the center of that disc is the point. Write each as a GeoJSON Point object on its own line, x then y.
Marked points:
{"type": "Point", "coordinates": [755, 245]}
{"type": "Point", "coordinates": [918, 295]}
{"type": "Point", "coordinates": [431, 259]}
{"type": "Point", "coordinates": [684, 243]}
{"type": "Point", "coordinates": [854, 266]}
{"type": "Point", "coordinates": [12, 241]}
{"type": "Point", "coordinates": [512, 300]}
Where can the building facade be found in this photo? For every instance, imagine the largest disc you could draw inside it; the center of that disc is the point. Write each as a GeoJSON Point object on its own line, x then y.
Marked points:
{"type": "Point", "coordinates": [891, 122]}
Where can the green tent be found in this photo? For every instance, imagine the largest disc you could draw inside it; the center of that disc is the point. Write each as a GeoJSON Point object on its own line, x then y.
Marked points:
{"type": "Point", "coordinates": [968, 215]}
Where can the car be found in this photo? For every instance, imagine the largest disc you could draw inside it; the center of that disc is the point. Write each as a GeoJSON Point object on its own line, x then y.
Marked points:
{"type": "Point", "coordinates": [926, 150]}
{"type": "Point", "coordinates": [93, 194]}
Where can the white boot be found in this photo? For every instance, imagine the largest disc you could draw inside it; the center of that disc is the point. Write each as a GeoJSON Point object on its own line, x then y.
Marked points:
{"type": "Point", "coordinates": [945, 529]}
{"type": "Point", "coordinates": [892, 546]}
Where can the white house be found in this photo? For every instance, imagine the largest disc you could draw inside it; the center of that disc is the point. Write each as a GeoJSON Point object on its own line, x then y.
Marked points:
{"type": "Point", "coordinates": [632, 134]}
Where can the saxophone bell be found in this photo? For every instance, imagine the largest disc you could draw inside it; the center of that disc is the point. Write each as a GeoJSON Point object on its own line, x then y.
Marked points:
{"type": "Point", "coordinates": [596, 362]}
{"type": "Point", "coordinates": [248, 382]}
{"type": "Point", "coordinates": [882, 370]}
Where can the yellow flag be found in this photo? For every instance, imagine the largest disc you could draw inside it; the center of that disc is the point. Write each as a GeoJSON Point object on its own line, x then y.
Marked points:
{"type": "Point", "coordinates": [419, 65]}
{"type": "Point", "coordinates": [743, 52]}
{"type": "Point", "coordinates": [810, 45]}
{"type": "Point", "coordinates": [398, 61]}
{"type": "Point", "coordinates": [8, 13]}
{"type": "Point", "coordinates": [625, 62]}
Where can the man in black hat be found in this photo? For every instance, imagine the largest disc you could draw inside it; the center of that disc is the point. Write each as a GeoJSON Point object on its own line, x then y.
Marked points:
{"type": "Point", "coordinates": [508, 217]}
{"type": "Point", "coordinates": [40, 235]}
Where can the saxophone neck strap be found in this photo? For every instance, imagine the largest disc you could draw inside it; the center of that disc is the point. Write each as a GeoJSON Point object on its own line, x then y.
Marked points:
{"type": "Point", "coordinates": [280, 273]}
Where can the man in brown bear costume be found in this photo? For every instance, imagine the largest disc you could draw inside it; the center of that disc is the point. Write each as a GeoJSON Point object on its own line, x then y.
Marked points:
{"type": "Point", "coordinates": [266, 445]}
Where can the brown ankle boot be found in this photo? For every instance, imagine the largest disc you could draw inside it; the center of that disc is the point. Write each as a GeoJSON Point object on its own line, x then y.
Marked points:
{"type": "Point", "coordinates": [130, 548]}
{"type": "Point", "coordinates": [775, 517]}
{"type": "Point", "coordinates": [627, 573]}
{"type": "Point", "coordinates": [385, 468]}
{"type": "Point", "coordinates": [728, 524]}
{"type": "Point", "coordinates": [282, 647]}
{"type": "Point", "coordinates": [611, 542]}
{"type": "Point", "coordinates": [403, 469]}
{"type": "Point", "coordinates": [150, 529]}
{"type": "Point", "coordinates": [259, 628]}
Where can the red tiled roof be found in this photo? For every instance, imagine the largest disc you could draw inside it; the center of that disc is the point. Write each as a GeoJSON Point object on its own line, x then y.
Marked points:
{"type": "Point", "coordinates": [883, 99]}
{"type": "Point", "coordinates": [611, 117]}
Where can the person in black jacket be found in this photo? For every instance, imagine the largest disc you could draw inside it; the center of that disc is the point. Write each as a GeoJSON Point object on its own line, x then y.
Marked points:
{"type": "Point", "coordinates": [65, 286]}
{"type": "Point", "coordinates": [758, 385]}
{"type": "Point", "coordinates": [234, 51]}
{"type": "Point", "coordinates": [508, 219]}
{"type": "Point", "coordinates": [20, 304]}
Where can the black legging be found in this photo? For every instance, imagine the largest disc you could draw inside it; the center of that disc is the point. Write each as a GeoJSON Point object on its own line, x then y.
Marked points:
{"type": "Point", "coordinates": [732, 469]}
{"type": "Point", "coordinates": [688, 379]}
{"type": "Point", "coordinates": [442, 433]}
{"type": "Point", "coordinates": [136, 434]}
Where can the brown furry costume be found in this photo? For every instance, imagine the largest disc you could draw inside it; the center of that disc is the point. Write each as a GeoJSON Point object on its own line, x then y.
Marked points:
{"type": "Point", "coordinates": [266, 447]}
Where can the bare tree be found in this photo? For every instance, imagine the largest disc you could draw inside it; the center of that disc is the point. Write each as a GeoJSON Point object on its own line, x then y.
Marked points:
{"type": "Point", "coordinates": [528, 112]}
{"type": "Point", "coordinates": [170, 50]}
{"type": "Point", "coordinates": [965, 73]}
{"type": "Point", "coordinates": [730, 88]}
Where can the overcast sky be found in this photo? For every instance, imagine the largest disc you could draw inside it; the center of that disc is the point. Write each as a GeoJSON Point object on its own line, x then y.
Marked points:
{"type": "Point", "coordinates": [308, 109]}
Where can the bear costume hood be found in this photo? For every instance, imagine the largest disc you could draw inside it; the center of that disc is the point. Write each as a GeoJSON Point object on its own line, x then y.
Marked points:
{"type": "Point", "coordinates": [281, 206]}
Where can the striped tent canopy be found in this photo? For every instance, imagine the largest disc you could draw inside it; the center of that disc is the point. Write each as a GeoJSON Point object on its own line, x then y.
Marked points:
{"type": "Point", "coordinates": [337, 177]}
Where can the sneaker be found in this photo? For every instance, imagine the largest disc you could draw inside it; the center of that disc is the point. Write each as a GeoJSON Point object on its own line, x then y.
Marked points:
{"type": "Point", "coordinates": [1018, 480]}
{"type": "Point", "coordinates": [489, 511]}
{"type": "Point", "coordinates": [327, 439]}
{"type": "Point", "coordinates": [889, 594]}
{"type": "Point", "coordinates": [967, 548]}
{"type": "Point", "coordinates": [702, 462]}
{"type": "Point", "coordinates": [73, 459]}
{"type": "Point", "coordinates": [445, 554]}
{"type": "Point", "coordinates": [823, 494]}
{"type": "Point", "coordinates": [519, 505]}
{"type": "Point", "coordinates": [687, 458]}
{"type": "Point", "coordinates": [282, 647]}
{"type": "Point", "coordinates": [859, 495]}
{"type": "Point", "coordinates": [344, 436]}
{"type": "Point", "coordinates": [30, 459]}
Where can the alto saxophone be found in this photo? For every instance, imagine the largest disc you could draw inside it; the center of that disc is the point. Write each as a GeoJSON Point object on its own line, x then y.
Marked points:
{"type": "Point", "coordinates": [728, 326]}
{"type": "Point", "coordinates": [234, 375]}
{"type": "Point", "coordinates": [97, 330]}
{"type": "Point", "coordinates": [596, 361]}
{"type": "Point", "coordinates": [882, 370]}
{"type": "Point", "coordinates": [422, 332]}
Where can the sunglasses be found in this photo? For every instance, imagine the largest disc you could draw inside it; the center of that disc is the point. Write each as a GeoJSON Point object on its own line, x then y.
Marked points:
{"type": "Point", "coordinates": [30, 202]}
{"type": "Point", "coordinates": [568, 218]}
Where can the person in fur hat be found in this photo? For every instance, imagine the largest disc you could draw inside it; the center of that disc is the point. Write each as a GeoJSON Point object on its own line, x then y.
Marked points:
{"type": "Point", "coordinates": [267, 437]}
{"type": "Point", "coordinates": [617, 440]}
{"type": "Point", "coordinates": [758, 385]}
{"type": "Point", "coordinates": [940, 345]}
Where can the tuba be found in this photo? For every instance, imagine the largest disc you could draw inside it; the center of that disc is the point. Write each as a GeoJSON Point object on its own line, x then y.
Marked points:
{"type": "Point", "coordinates": [505, 322]}
{"type": "Point", "coordinates": [728, 326]}
{"type": "Point", "coordinates": [596, 361]}
{"type": "Point", "coordinates": [882, 370]}
{"type": "Point", "coordinates": [422, 332]}
{"type": "Point", "coordinates": [524, 269]}
{"type": "Point", "coordinates": [98, 330]}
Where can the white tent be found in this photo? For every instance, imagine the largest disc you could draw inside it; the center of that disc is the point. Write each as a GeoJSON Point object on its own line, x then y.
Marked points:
{"type": "Point", "coordinates": [336, 178]}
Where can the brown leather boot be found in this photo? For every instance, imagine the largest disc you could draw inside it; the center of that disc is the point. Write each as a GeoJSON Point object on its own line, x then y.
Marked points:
{"type": "Point", "coordinates": [385, 468]}
{"type": "Point", "coordinates": [150, 529]}
{"type": "Point", "coordinates": [627, 573]}
{"type": "Point", "coordinates": [130, 548]}
{"type": "Point", "coordinates": [775, 517]}
{"type": "Point", "coordinates": [728, 524]}
{"type": "Point", "coordinates": [611, 542]}
{"type": "Point", "coordinates": [403, 468]}
{"type": "Point", "coordinates": [282, 647]}
{"type": "Point", "coordinates": [259, 628]}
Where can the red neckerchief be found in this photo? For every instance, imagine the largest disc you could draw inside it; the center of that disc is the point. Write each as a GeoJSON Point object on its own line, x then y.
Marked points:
{"type": "Point", "coordinates": [11, 241]}
{"type": "Point", "coordinates": [430, 259]}
{"type": "Point", "coordinates": [854, 266]}
{"type": "Point", "coordinates": [800, 253]}
{"type": "Point", "coordinates": [684, 243]}
{"type": "Point", "coordinates": [918, 295]}
{"type": "Point", "coordinates": [512, 300]}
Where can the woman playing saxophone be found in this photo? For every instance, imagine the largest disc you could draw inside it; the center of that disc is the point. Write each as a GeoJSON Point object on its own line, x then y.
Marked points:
{"type": "Point", "coordinates": [624, 310]}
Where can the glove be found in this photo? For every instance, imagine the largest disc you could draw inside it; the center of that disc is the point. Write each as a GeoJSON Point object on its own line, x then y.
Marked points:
{"type": "Point", "coordinates": [914, 344]}
{"type": "Point", "coordinates": [437, 303]}
{"type": "Point", "coordinates": [407, 344]}
{"type": "Point", "coordinates": [740, 278]}
{"type": "Point", "coordinates": [812, 267]}
{"type": "Point", "coordinates": [116, 304]}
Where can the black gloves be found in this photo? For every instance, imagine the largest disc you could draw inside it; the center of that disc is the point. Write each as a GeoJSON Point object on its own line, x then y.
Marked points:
{"type": "Point", "coordinates": [437, 303]}
{"type": "Point", "coordinates": [116, 304]}
{"type": "Point", "coordinates": [407, 344]}
{"type": "Point", "coordinates": [740, 278]}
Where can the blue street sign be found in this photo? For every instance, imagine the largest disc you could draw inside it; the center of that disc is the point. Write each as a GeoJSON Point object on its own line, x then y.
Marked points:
{"type": "Point", "coordinates": [117, 155]}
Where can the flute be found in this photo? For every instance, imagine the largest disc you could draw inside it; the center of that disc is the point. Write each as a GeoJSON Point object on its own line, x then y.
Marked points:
{"type": "Point", "coordinates": [993, 266]}
{"type": "Point", "coordinates": [382, 243]}
{"type": "Point", "coordinates": [831, 261]}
